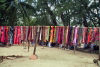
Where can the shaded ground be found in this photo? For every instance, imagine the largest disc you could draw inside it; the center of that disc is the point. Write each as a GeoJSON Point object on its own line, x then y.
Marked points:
{"type": "Point", "coordinates": [47, 57]}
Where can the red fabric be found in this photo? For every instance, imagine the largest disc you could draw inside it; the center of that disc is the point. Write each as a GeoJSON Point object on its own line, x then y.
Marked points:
{"type": "Point", "coordinates": [6, 34]}
{"type": "Point", "coordinates": [30, 33]}
{"type": "Point", "coordinates": [95, 35]}
{"type": "Point", "coordinates": [24, 33]}
{"type": "Point", "coordinates": [17, 35]}
{"type": "Point", "coordinates": [90, 35]}
{"type": "Point", "coordinates": [60, 34]}
{"type": "Point", "coordinates": [85, 32]}
{"type": "Point", "coordinates": [3, 34]}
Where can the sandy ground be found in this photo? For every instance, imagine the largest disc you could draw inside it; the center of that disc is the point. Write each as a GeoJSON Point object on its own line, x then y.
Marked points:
{"type": "Point", "coordinates": [47, 57]}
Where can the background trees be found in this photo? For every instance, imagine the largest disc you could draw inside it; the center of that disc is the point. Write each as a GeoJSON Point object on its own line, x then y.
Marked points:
{"type": "Point", "coordinates": [50, 12]}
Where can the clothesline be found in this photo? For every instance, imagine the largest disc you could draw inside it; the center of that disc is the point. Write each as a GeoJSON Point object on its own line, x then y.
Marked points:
{"type": "Point", "coordinates": [58, 26]}
{"type": "Point", "coordinates": [62, 35]}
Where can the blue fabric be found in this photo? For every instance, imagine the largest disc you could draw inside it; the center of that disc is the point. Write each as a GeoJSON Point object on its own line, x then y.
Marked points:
{"type": "Point", "coordinates": [49, 44]}
{"type": "Point", "coordinates": [11, 34]}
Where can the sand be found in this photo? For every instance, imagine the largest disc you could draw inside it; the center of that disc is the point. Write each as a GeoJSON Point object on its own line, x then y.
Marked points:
{"type": "Point", "coordinates": [47, 57]}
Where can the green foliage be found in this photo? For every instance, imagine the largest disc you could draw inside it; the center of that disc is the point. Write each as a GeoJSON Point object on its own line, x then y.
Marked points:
{"type": "Point", "coordinates": [45, 12]}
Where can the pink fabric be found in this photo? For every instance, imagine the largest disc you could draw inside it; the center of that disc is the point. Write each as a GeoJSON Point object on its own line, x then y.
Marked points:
{"type": "Point", "coordinates": [85, 31]}
{"type": "Point", "coordinates": [67, 35]}
{"type": "Point", "coordinates": [99, 34]}
{"type": "Point", "coordinates": [95, 35]}
{"type": "Point", "coordinates": [75, 35]}
{"type": "Point", "coordinates": [19, 35]}
{"type": "Point", "coordinates": [3, 34]}
{"type": "Point", "coordinates": [0, 32]}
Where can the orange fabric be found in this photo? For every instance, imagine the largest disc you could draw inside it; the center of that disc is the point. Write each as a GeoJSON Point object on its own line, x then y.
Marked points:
{"type": "Point", "coordinates": [51, 33]}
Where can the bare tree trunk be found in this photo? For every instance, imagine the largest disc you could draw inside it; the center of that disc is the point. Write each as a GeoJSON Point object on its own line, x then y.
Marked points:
{"type": "Point", "coordinates": [62, 18]}
{"type": "Point", "coordinates": [53, 17]}
{"type": "Point", "coordinates": [85, 22]}
{"type": "Point", "coordinates": [67, 21]}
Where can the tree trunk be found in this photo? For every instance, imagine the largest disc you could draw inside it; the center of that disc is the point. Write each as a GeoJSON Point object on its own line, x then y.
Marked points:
{"type": "Point", "coordinates": [85, 22]}
{"type": "Point", "coordinates": [53, 17]}
{"type": "Point", "coordinates": [62, 18]}
{"type": "Point", "coordinates": [67, 21]}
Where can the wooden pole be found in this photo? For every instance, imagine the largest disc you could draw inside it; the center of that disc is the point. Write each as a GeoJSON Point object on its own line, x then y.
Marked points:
{"type": "Point", "coordinates": [37, 35]}
{"type": "Point", "coordinates": [34, 56]}
{"type": "Point", "coordinates": [99, 43]}
{"type": "Point", "coordinates": [28, 45]}
{"type": "Point", "coordinates": [74, 49]}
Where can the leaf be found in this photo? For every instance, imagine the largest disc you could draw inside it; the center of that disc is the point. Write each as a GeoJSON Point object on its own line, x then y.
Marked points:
{"type": "Point", "coordinates": [2, 1]}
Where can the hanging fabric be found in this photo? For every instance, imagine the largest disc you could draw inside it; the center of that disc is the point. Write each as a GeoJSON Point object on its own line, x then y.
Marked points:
{"type": "Point", "coordinates": [68, 35]}
{"type": "Point", "coordinates": [26, 36]}
{"type": "Point", "coordinates": [30, 34]}
{"type": "Point", "coordinates": [47, 32]}
{"type": "Point", "coordinates": [6, 35]}
{"type": "Point", "coordinates": [11, 35]}
{"type": "Point", "coordinates": [34, 34]}
{"type": "Point", "coordinates": [55, 31]}
{"type": "Point", "coordinates": [90, 35]}
{"type": "Point", "coordinates": [60, 34]}
{"type": "Point", "coordinates": [22, 34]}
{"type": "Point", "coordinates": [3, 34]}
{"type": "Point", "coordinates": [19, 35]}
{"type": "Point", "coordinates": [43, 34]}
{"type": "Point", "coordinates": [79, 36]}
{"type": "Point", "coordinates": [65, 30]}
{"type": "Point", "coordinates": [85, 34]}
{"type": "Point", "coordinates": [0, 32]}
{"type": "Point", "coordinates": [75, 36]}
{"type": "Point", "coordinates": [52, 34]}
{"type": "Point", "coordinates": [15, 35]}
{"type": "Point", "coordinates": [96, 33]}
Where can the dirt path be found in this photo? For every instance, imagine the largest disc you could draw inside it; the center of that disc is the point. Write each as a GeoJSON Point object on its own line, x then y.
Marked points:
{"type": "Point", "coordinates": [47, 57]}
